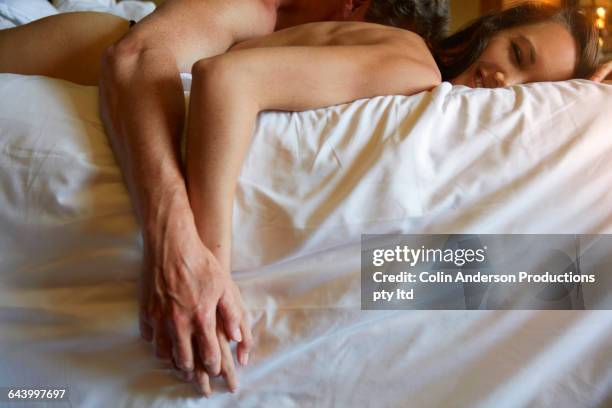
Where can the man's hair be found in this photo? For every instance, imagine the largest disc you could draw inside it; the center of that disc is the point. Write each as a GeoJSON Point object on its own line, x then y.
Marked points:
{"type": "Point", "coordinates": [458, 52]}
{"type": "Point", "coordinates": [428, 18]}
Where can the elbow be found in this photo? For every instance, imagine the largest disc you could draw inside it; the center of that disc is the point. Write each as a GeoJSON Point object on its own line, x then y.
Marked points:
{"type": "Point", "coordinates": [115, 74]}
{"type": "Point", "coordinates": [203, 67]}
{"type": "Point", "coordinates": [124, 52]}
{"type": "Point", "coordinates": [210, 75]}
{"type": "Point", "coordinates": [218, 69]}
{"type": "Point", "coordinates": [126, 47]}
{"type": "Point", "coordinates": [223, 76]}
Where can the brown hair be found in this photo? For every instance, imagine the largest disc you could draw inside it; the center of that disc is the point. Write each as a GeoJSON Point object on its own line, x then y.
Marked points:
{"type": "Point", "coordinates": [458, 52]}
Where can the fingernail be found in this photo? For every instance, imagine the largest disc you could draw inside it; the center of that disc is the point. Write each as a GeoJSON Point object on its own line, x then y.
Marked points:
{"type": "Point", "coordinates": [236, 334]}
{"type": "Point", "coordinates": [201, 390]}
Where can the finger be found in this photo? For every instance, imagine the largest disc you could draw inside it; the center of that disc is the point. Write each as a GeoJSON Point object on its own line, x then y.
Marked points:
{"type": "Point", "coordinates": [596, 77]}
{"type": "Point", "coordinates": [163, 345]}
{"type": "Point", "coordinates": [182, 351]}
{"type": "Point", "coordinates": [601, 73]}
{"type": "Point", "coordinates": [201, 379]}
{"type": "Point", "coordinates": [606, 70]}
{"type": "Point", "coordinates": [244, 347]}
{"type": "Point", "coordinates": [208, 345]}
{"type": "Point", "coordinates": [227, 361]}
{"type": "Point", "coordinates": [202, 382]}
{"type": "Point", "coordinates": [232, 315]}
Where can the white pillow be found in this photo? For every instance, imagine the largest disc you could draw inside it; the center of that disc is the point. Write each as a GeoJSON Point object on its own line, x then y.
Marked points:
{"type": "Point", "coordinates": [23, 11]}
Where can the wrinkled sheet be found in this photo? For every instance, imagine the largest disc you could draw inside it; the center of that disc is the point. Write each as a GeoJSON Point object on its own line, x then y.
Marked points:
{"type": "Point", "coordinates": [17, 12]}
{"type": "Point", "coordinates": [529, 159]}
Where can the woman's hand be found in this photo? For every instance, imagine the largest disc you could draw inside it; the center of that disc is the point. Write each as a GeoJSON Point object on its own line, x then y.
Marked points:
{"type": "Point", "coordinates": [603, 71]}
{"type": "Point", "coordinates": [183, 288]}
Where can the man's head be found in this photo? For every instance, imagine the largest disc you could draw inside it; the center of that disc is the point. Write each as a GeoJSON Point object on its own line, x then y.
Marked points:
{"type": "Point", "coordinates": [296, 12]}
{"type": "Point", "coordinates": [428, 18]}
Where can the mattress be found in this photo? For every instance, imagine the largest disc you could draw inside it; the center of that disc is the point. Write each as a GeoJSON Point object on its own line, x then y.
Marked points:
{"type": "Point", "coordinates": [534, 158]}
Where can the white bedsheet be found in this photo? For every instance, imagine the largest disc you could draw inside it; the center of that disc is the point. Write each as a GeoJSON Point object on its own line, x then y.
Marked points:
{"type": "Point", "coordinates": [532, 159]}
{"type": "Point", "coordinates": [17, 12]}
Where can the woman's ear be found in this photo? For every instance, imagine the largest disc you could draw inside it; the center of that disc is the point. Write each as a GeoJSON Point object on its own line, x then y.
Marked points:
{"type": "Point", "coordinates": [355, 10]}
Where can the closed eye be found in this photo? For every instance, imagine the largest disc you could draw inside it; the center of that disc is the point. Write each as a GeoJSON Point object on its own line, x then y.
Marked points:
{"type": "Point", "coordinates": [516, 50]}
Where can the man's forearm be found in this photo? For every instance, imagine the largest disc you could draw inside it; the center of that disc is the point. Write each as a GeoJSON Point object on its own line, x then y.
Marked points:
{"type": "Point", "coordinates": [142, 103]}
{"type": "Point", "coordinates": [142, 107]}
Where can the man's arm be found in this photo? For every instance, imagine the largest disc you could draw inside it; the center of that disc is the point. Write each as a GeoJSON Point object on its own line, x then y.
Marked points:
{"type": "Point", "coordinates": [142, 108]}
{"type": "Point", "coordinates": [142, 103]}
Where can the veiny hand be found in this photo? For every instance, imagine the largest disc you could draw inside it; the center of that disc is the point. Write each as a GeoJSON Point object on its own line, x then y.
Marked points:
{"type": "Point", "coordinates": [603, 71]}
{"type": "Point", "coordinates": [183, 287]}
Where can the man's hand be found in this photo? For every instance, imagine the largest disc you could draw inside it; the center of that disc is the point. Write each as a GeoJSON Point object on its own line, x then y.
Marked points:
{"type": "Point", "coordinates": [603, 71]}
{"type": "Point", "coordinates": [200, 377]}
{"type": "Point", "coordinates": [183, 287]}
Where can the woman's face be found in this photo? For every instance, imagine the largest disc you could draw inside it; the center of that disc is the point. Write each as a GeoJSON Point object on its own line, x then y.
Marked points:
{"type": "Point", "coordinates": [531, 53]}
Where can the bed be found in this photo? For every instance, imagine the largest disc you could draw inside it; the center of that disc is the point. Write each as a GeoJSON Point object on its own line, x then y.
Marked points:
{"type": "Point", "coordinates": [533, 158]}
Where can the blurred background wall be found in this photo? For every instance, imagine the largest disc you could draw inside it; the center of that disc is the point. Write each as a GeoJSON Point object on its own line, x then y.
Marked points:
{"type": "Point", "coordinates": [463, 11]}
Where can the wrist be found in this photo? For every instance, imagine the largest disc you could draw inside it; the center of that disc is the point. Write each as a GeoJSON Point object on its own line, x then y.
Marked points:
{"type": "Point", "coordinates": [169, 211]}
{"type": "Point", "coordinates": [214, 229]}
{"type": "Point", "coordinates": [223, 256]}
